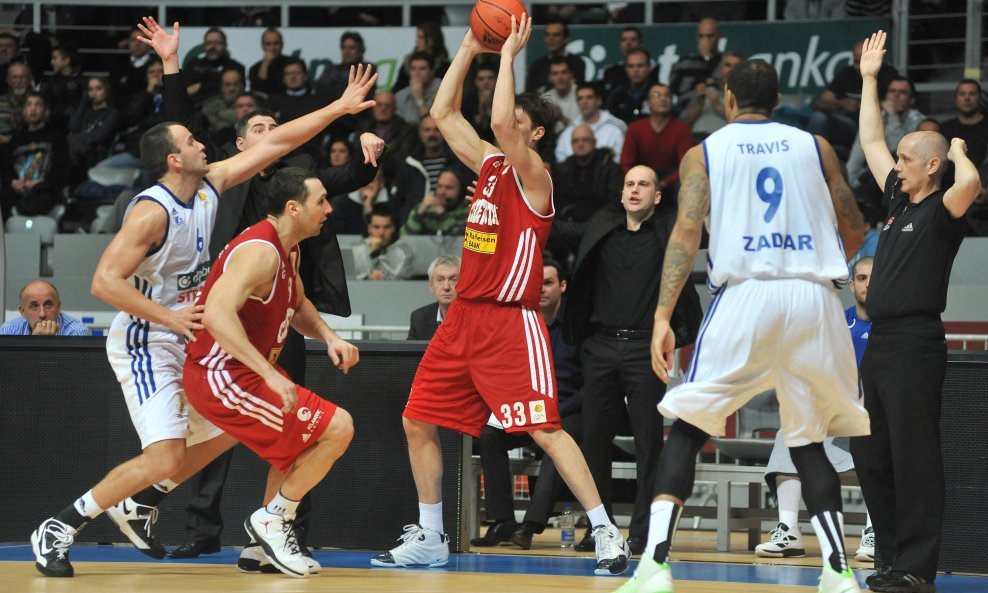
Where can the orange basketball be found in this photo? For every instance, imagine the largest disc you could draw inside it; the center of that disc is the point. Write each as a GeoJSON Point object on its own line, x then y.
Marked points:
{"type": "Point", "coordinates": [490, 21]}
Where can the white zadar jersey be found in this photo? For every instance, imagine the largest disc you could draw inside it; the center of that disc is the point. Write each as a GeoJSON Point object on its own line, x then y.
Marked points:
{"type": "Point", "coordinates": [771, 215]}
{"type": "Point", "coordinates": [173, 274]}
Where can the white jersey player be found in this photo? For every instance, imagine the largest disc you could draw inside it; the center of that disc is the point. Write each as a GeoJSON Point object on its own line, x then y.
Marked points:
{"type": "Point", "coordinates": [151, 272]}
{"type": "Point", "coordinates": [780, 217]}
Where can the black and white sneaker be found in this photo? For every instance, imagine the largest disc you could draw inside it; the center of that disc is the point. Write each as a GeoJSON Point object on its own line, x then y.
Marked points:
{"type": "Point", "coordinates": [134, 521]}
{"type": "Point", "coordinates": [50, 543]}
{"type": "Point", "coordinates": [253, 560]}
{"type": "Point", "coordinates": [611, 549]}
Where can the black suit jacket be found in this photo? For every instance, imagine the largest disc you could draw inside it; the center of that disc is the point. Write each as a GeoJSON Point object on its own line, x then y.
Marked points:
{"type": "Point", "coordinates": [322, 261]}
{"type": "Point", "coordinates": [422, 324]}
{"type": "Point", "coordinates": [587, 239]}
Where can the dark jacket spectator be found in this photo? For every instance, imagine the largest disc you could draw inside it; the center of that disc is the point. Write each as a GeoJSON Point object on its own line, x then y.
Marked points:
{"type": "Point", "coordinates": [583, 185]}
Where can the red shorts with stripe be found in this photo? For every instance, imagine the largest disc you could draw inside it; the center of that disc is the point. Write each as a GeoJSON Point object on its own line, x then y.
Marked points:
{"type": "Point", "coordinates": [239, 402]}
{"type": "Point", "coordinates": [486, 357]}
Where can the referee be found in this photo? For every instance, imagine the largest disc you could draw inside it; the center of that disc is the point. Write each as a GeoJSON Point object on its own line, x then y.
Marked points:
{"type": "Point", "coordinates": [899, 464]}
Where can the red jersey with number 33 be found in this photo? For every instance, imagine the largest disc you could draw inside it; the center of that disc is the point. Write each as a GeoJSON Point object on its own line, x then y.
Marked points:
{"type": "Point", "coordinates": [266, 320]}
{"type": "Point", "coordinates": [504, 240]}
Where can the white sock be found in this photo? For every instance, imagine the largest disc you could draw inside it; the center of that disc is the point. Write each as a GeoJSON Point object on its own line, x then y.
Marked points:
{"type": "Point", "coordinates": [598, 516]}
{"type": "Point", "coordinates": [166, 486]}
{"type": "Point", "coordinates": [431, 516]}
{"type": "Point", "coordinates": [87, 507]}
{"type": "Point", "coordinates": [828, 532]}
{"type": "Point", "coordinates": [280, 505]}
{"type": "Point", "coordinates": [867, 520]}
{"type": "Point", "coordinates": [661, 524]}
{"type": "Point", "coordinates": [789, 492]}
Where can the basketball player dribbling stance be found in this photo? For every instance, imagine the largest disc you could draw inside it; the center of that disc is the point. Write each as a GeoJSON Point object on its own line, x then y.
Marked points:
{"type": "Point", "coordinates": [491, 353]}
{"type": "Point", "coordinates": [781, 217]}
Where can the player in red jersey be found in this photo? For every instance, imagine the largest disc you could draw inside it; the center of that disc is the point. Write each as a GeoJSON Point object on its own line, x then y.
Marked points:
{"type": "Point", "coordinates": [491, 352]}
{"type": "Point", "coordinates": [231, 376]}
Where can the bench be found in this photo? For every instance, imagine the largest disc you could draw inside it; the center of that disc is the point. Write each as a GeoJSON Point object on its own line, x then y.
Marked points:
{"type": "Point", "coordinates": [723, 476]}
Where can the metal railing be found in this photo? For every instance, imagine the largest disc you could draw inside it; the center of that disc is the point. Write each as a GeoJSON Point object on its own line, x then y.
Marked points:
{"type": "Point", "coordinates": [966, 339]}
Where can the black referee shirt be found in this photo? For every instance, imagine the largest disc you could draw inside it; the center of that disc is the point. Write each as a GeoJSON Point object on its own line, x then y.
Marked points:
{"type": "Point", "coordinates": [626, 284]}
{"type": "Point", "coordinates": [915, 252]}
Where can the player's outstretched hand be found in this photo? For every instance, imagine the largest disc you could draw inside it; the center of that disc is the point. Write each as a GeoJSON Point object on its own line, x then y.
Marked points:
{"type": "Point", "coordinates": [184, 321]}
{"type": "Point", "coordinates": [361, 82]}
{"type": "Point", "coordinates": [343, 354]}
{"type": "Point", "coordinates": [873, 53]}
{"type": "Point", "coordinates": [372, 147]}
{"type": "Point", "coordinates": [163, 44]}
{"type": "Point", "coordinates": [663, 346]}
{"type": "Point", "coordinates": [284, 387]}
{"type": "Point", "coordinates": [958, 150]}
{"type": "Point", "coordinates": [520, 33]}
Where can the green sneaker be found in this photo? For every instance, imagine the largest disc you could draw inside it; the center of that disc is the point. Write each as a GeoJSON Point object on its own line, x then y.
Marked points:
{"type": "Point", "coordinates": [832, 581]}
{"type": "Point", "coordinates": [649, 577]}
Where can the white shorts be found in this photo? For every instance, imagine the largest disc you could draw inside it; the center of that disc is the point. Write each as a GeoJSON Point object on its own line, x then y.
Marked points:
{"type": "Point", "coordinates": [789, 335]}
{"type": "Point", "coordinates": [151, 378]}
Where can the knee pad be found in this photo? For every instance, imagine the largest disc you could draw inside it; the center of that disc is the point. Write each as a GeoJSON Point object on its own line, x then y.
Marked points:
{"type": "Point", "coordinates": [677, 465]}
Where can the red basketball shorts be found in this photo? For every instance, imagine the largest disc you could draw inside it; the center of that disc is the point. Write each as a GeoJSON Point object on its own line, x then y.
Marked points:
{"type": "Point", "coordinates": [238, 401]}
{"type": "Point", "coordinates": [486, 358]}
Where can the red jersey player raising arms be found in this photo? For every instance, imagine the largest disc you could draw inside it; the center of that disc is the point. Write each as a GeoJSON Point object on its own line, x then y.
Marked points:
{"type": "Point", "coordinates": [491, 352]}
{"type": "Point", "coordinates": [253, 293]}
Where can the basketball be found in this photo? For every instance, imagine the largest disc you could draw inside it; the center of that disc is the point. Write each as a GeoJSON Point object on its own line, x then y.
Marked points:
{"type": "Point", "coordinates": [490, 21]}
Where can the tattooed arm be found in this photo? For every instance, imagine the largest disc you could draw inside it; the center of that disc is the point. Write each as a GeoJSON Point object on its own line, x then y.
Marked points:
{"type": "Point", "coordinates": [694, 204]}
{"type": "Point", "coordinates": [850, 223]}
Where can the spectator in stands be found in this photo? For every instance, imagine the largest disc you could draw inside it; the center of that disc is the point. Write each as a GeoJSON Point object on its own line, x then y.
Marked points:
{"type": "Point", "coordinates": [786, 540]}
{"type": "Point", "coordinates": [694, 69]}
{"type": "Point", "coordinates": [298, 100]}
{"type": "Point", "coordinates": [9, 50]}
{"type": "Point", "coordinates": [586, 181]}
{"type": "Point", "coordinates": [658, 141]}
{"type": "Point", "coordinates": [705, 112]}
{"type": "Point", "coordinates": [144, 110]}
{"type": "Point", "coordinates": [129, 76]}
{"type": "Point", "coordinates": [242, 105]}
{"type": "Point", "coordinates": [971, 125]}
{"type": "Point", "coordinates": [629, 102]}
{"type": "Point", "coordinates": [381, 255]}
{"type": "Point", "coordinates": [616, 75]}
{"type": "Point", "coordinates": [495, 443]}
{"type": "Point", "coordinates": [442, 211]}
{"type": "Point", "coordinates": [41, 314]}
{"type": "Point", "coordinates": [396, 133]}
{"type": "Point", "coordinates": [19, 82]}
{"type": "Point", "coordinates": [65, 87]}
{"type": "Point", "coordinates": [443, 273]}
{"type": "Point", "coordinates": [203, 73]}
{"type": "Point", "coordinates": [477, 105]}
{"type": "Point", "coordinates": [413, 102]}
{"type": "Point", "coordinates": [266, 76]}
{"type": "Point", "coordinates": [620, 253]}
{"type": "Point", "coordinates": [429, 39]}
{"type": "Point", "coordinates": [929, 125]}
{"type": "Point", "coordinates": [340, 152]}
{"type": "Point", "coordinates": [418, 174]}
{"type": "Point", "coordinates": [898, 118]}
{"type": "Point", "coordinates": [35, 162]}
{"type": "Point", "coordinates": [562, 92]}
{"type": "Point", "coordinates": [333, 79]}
{"type": "Point", "coordinates": [835, 111]}
{"type": "Point", "coordinates": [556, 38]}
{"type": "Point", "coordinates": [351, 210]}
{"type": "Point", "coordinates": [608, 130]}
{"type": "Point", "coordinates": [94, 124]}
{"type": "Point", "coordinates": [221, 111]}
{"type": "Point", "coordinates": [813, 9]}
